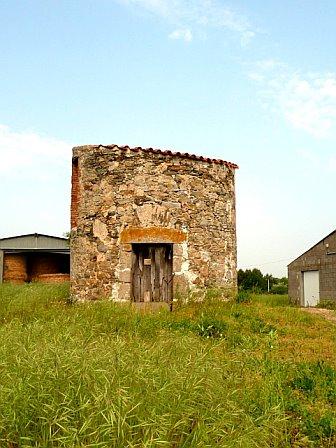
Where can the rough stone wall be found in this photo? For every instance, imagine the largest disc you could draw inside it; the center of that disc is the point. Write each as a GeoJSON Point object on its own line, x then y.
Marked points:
{"type": "Point", "coordinates": [124, 197]}
{"type": "Point", "coordinates": [322, 258]}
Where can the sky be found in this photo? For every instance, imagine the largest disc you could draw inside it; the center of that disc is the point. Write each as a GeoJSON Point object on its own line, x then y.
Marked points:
{"type": "Point", "coordinates": [251, 82]}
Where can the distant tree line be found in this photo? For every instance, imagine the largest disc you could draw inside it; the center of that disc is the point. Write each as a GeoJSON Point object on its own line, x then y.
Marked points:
{"type": "Point", "coordinates": [254, 280]}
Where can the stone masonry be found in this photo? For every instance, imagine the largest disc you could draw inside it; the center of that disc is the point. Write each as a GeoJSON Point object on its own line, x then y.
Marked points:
{"type": "Point", "coordinates": [122, 196]}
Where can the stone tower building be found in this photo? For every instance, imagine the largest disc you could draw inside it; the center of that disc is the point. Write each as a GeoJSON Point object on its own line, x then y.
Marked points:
{"type": "Point", "coordinates": [148, 223]}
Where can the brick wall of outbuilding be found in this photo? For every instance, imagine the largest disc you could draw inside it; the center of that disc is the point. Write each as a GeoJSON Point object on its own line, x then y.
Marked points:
{"type": "Point", "coordinates": [74, 193]}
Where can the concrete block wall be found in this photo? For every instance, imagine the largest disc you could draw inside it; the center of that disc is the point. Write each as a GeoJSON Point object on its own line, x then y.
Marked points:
{"type": "Point", "coordinates": [322, 258]}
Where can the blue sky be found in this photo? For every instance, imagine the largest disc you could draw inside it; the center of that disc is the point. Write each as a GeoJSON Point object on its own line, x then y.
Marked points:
{"type": "Point", "coordinates": [251, 82]}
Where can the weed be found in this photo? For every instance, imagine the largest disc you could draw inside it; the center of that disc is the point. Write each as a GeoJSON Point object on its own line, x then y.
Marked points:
{"type": "Point", "coordinates": [258, 325]}
{"type": "Point", "coordinates": [304, 383]}
{"type": "Point", "coordinates": [327, 304]}
{"type": "Point", "coordinates": [209, 374]}
{"type": "Point", "coordinates": [211, 328]}
{"type": "Point", "coordinates": [243, 297]}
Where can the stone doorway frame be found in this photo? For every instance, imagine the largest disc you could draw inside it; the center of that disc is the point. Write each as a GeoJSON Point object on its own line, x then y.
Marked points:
{"type": "Point", "coordinates": [121, 291]}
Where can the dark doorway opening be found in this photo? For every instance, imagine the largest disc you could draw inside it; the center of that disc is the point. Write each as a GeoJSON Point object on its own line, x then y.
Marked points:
{"type": "Point", "coordinates": [152, 273]}
{"type": "Point", "coordinates": [43, 263]}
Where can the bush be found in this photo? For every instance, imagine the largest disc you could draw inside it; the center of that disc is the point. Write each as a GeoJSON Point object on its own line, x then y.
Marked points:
{"type": "Point", "coordinates": [279, 288]}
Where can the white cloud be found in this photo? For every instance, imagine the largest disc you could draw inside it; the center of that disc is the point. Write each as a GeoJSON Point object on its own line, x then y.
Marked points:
{"type": "Point", "coordinates": [189, 14]}
{"type": "Point", "coordinates": [29, 150]}
{"type": "Point", "coordinates": [185, 35]}
{"type": "Point", "coordinates": [305, 100]}
{"type": "Point", "coordinates": [35, 181]}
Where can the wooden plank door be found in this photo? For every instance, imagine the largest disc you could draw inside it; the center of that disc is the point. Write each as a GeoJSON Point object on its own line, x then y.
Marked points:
{"type": "Point", "coordinates": [152, 273]}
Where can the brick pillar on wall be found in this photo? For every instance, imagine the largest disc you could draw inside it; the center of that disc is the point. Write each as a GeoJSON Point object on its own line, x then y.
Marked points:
{"type": "Point", "coordinates": [74, 193]}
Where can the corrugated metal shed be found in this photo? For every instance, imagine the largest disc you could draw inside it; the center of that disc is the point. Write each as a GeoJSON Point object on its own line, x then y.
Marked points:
{"type": "Point", "coordinates": [35, 241]}
{"type": "Point", "coordinates": [27, 256]}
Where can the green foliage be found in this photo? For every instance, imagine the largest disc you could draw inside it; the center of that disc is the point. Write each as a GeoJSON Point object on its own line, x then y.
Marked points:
{"type": "Point", "coordinates": [206, 327]}
{"type": "Point", "coordinates": [253, 280]}
{"type": "Point", "coordinates": [258, 325]}
{"type": "Point", "coordinates": [327, 304]}
{"type": "Point", "coordinates": [211, 328]}
{"type": "Point", "coordinates": [304, 383]}
{"type": "Point", "coordinates": [273, 300]}
{"type": "Point", "coordinates": [312, 381]}
{"type": "Point", "coordinates": [206, 375]}
{"type": "Point", "coordinates": [243, 297]}
{"type": "Point", "coordinates": [67, 235]}
{"type": "Point", "coordinates": [279, 288]}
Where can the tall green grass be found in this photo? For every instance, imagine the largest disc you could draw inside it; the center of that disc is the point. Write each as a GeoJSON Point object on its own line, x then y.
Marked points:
{"type": "Point", "coordinates": [216, 374]}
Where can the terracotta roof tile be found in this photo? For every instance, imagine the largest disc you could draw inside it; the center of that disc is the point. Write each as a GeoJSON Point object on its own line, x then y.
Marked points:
{"type": "Point", "coordinates": [171, 153]}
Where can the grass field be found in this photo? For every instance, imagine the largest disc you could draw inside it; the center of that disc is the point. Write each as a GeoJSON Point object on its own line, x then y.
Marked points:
{"type": "Point", "coordinates": [261, 374]}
